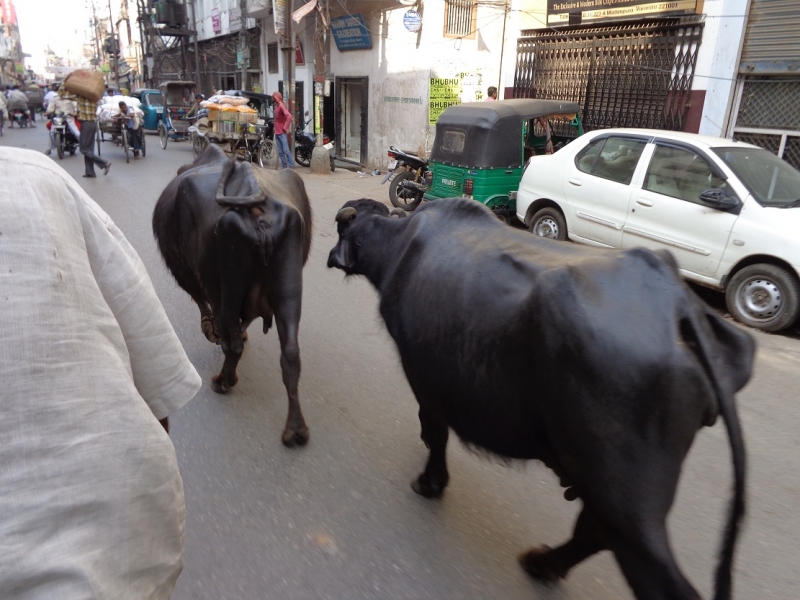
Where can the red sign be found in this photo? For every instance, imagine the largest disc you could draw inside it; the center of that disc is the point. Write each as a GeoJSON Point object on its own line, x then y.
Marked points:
{"type": "Point", "coordinates": [9, 12]}
{"type": "Point", "coordinates": [216, 23]}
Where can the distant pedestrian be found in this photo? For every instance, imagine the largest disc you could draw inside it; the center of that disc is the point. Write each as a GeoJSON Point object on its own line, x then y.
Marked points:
{"type": "Point", "coordinates": [87, 115]}
{"type": "Point", "coordinates": [283, 124]}
{"type": "Point", "coordinates": [491, 94]}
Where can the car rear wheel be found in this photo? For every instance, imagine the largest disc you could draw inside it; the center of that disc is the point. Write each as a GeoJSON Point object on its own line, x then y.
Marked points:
{"type": "Point", "coordinates": [549, 223]}
{"type": "Point", "coordinates": [763, 296]}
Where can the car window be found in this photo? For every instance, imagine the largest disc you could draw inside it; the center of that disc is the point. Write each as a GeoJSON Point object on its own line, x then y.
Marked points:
{"type": "Point", "coordinates": [772, 181]}
{"type": "Point", "coordinates": [680, 173]}
{"type": "Point", "coordinates": [613, 158]}
{"type": "Point", "coordinates": [153, 100]}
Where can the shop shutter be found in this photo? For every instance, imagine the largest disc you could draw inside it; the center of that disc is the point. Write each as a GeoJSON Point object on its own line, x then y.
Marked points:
{"type": "Point", "coordinates": [772, 42]}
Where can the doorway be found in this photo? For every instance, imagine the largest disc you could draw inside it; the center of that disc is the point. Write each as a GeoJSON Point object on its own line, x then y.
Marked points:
{"type": "Point", "coordinates": [351, 94]}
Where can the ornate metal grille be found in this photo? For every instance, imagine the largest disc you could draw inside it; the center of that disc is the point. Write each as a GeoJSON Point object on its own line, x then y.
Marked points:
{"type": "Point", "coordinates": [770, 103]}
{"type": "Point", "coordinates": [636, 75]}
{"type": "Point", "coordinates": [769, 116]}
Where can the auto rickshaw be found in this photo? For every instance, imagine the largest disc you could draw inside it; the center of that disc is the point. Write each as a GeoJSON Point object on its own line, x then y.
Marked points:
{"type": "Point", "coordinates": [178, 98]}
{"type": "Point", "coordinates": [481, 148]}
{"type": "Point", "coordinates": [152, 105]}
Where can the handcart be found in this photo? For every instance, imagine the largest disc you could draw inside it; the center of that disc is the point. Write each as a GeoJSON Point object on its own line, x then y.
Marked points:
{"type": "Point", "coordinates": [118, 134]}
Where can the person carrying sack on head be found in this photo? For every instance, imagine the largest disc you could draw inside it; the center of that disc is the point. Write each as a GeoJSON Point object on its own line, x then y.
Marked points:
{"type": "Point", "coordinates": [87, 117]}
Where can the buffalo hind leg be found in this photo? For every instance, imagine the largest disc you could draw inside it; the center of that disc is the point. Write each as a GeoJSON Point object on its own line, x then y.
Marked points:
{"type": "Point", "coordinates": [232, 340]}
{"type": "Point", "coordinates": [648, 564]}
{"type": "Point", "coordinates": [208, 323]}
{"type": "Point", "coordinates": [287, 317]}
{"type": "Point", "coordinates": [434, 478]}
{"type": "Point", "coordinates": [551, 564]}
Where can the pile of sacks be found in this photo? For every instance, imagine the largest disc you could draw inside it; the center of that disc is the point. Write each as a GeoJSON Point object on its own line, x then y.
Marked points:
{"type": "Point", "coordinates": [226, 103]}
{"type": "Point", "coordinates": [109, 107]}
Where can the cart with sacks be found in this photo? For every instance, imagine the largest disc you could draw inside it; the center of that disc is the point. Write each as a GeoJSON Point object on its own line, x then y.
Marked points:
{"type": "Point", "coordinates": [238, 125]}
{"type": "Point", "coordinates": [111, 125]}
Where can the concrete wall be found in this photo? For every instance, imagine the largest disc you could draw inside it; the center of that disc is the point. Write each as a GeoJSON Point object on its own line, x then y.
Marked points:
{"type": "Point", "coordinates": [718, 61]}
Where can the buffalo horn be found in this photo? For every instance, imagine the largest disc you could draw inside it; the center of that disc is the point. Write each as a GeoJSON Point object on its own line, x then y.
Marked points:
{"type": "Point", "coordinates": [398, 212]}
{"type": "Point", "coordinates": [346, 214]}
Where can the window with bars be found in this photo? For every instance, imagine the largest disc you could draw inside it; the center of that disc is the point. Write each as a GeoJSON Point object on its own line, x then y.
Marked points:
{"type": "Point", "coordinates": [460, 18]}
{"type": "Point", "coordinates": [272, 57]}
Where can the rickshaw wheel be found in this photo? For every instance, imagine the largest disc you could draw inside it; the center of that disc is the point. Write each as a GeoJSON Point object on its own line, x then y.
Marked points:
{"type": "Point", "coordinates": [144, 145]}
{"type": "Point", "coordinates": [549, 223]}
{"type": "Point", "coordinates": [403, 198]}
{"type": "Point", "coordinates": [267, 157]}
{"type": "Point", "coordinates": [199, 143]}
{"type": "Point", "coordinates": [162, 135]}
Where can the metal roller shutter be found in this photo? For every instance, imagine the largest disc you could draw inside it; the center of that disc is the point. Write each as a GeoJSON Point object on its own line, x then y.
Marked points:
{"type": "Point", "coordinates": [772, 42]}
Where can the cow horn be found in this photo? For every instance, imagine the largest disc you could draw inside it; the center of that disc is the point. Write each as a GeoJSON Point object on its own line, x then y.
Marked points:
{"type": "Point", "coordinates": [345, 215]}
{"type": "Point", "coordinates": [399, 212]}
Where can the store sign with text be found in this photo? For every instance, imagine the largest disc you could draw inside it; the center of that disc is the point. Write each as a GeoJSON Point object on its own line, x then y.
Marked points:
{"type": "Point", "coordinates": [575, 12]}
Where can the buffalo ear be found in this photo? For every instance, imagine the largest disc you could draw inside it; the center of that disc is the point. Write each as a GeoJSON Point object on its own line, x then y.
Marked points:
{"type": "Point", "coordinates": [342, 256]}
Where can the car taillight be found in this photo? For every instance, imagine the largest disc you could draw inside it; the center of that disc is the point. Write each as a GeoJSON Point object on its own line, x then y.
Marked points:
{"type": "Point", "coordinates": [326, 139]}
{"type": "Point", "coordinates": [391, 154]}
{"type": "Point", "coordinates": [469, 186]}
{"type": "Point", "coordinates": [428, 178]}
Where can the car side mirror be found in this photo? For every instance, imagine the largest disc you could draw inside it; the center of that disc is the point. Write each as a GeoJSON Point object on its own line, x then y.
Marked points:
{"type": "Point", "coordinates": [717, 198]}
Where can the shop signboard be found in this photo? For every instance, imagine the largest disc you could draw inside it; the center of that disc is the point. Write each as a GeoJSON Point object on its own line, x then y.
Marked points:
{"type": "Point", "coordinates": [350, 33]}
{"type": "Point", "coordinates": [412, 21]}
{"type": "Point", "coordinates": [575, 12]}
{"type": "Point", "coordinates": [216, 22]}
{"type": "Point", "coordinates": [279, 16]}
{"type": "Point", "coordinates": [444, 92]}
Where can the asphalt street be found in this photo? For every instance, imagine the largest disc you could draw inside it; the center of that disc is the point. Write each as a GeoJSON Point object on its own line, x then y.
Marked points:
{"type": "Point", "coordinates": [337, 518]}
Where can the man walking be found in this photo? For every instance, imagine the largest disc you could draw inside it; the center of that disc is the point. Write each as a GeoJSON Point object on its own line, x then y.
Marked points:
{"type": "Point", "coordinates": [283, 123]}
{"type": "Point", "coordinates": [87, 113]}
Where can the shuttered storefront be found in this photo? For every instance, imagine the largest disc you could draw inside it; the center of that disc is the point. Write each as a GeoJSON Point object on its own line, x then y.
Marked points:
{"type": "Point", "coordinates": [767, 100]}
{"type": "Point", "coordinates": [628, 75]}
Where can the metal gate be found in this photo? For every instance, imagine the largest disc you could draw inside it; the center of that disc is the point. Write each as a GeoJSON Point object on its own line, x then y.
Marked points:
{"type": "Point", "coordinates": [637, 75]}
{"type": "Point", "coordinates": [768, 115]}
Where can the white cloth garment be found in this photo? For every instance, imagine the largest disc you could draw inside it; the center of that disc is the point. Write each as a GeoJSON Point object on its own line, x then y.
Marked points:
{"type": "Point", "coordinates": [91, 500]}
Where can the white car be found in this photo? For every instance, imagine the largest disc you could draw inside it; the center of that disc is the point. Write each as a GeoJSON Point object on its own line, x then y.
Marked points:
{"type": "Point", "coordinates": [729, 212]}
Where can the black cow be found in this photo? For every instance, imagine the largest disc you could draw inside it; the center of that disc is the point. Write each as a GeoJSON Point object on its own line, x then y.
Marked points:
{"type": "Point", "coordinates": [600, 363]}
{"type": "Point", "coordinates": [236, 238]}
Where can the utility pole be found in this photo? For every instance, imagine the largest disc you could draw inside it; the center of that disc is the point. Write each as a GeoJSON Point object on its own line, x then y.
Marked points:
{"type": "Point", "coordinates": [243, 40]}
{"type": "Point", "coordinates": [113, 45]}
{"type": "Point", "coordinates": [196, 51]}
{"type": "Point", "coordinates": [320, 157]}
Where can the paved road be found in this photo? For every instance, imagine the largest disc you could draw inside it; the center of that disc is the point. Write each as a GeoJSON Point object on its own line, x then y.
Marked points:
{"type": "Point", "coordinates": [337, 519]}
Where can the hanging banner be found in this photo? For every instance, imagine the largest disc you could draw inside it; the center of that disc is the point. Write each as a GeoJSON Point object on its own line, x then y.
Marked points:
{"type": "Point", "coordinates": [216, 22]}
{"type": "Point", "coordinates": [303, 10]}
{"type": "Point", "coordinates": [575, 12]}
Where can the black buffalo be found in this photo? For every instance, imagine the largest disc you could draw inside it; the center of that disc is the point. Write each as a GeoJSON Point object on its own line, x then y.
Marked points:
{"type": "Point", "coordinates": [236, 238]}
{"type": "Point", "coordinates": [600, 363]}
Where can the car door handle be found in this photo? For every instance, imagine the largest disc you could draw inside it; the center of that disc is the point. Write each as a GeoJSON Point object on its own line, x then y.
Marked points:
{"type": "Point", "coordinates": [644, 202]}
{"type": "Point", "coordinates": [576, 182]}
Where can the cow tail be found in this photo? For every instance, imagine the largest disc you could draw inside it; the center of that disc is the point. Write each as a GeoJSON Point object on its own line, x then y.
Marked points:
{"type": "Point", "coordinates": [699, 342]}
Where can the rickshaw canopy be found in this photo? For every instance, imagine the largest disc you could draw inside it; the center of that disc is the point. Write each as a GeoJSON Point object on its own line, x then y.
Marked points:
{"type": "Point", "coordinates": [487, 134]}
{"type": "Point", "coordinates": [178, 93]}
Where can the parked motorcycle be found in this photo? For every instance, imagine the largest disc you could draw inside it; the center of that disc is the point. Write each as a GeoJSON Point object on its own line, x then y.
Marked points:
{"type": "Point", "coordinates": [63, 138]}
{"type": "Point", "coordinates": [18, 116]}
{"type": "Point", "coordinates": [304, 143]}
{"type": "Point", "coordinates": [407, 172]}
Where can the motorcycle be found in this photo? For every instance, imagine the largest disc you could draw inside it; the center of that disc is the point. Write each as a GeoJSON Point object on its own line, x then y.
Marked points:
{"type": "Point", "coordinates": [407, 172]}
{"type": "Point", "coordinates": [304, 143]}
{"type": "Point", "coordinates": [18, 116]}
{"type": "Point", "coordinates": [63, 138]}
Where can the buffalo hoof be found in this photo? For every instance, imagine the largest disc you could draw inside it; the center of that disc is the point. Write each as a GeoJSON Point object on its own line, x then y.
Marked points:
{"type": "Point", "coordinates": [422, 486]}
{"type": "Point", "coordinates": [220, 385]}
{"type": "Point", "coordinates": [295, 436]}
{"type": "Point", "coordinates": [539, 565]}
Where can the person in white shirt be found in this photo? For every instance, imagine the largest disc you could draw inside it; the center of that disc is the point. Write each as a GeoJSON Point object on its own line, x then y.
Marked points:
{"type": "Point", "coordinates": [92, 501]}
{"type": "Point", "coordinates": [49, 96]}
{"type": "Point", "coordinates": [69, 108]}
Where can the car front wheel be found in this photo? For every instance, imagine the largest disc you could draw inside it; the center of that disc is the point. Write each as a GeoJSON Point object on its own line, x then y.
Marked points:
{"type": "Point", "coordinates": [763, 296]}
{"type": "Point", "coordinates": [549, 223]}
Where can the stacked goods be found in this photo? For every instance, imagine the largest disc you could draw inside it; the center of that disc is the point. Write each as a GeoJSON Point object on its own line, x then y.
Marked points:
{"type": "Point", "coordinates": [86, 83]}
{"type": "Point", "coordinates": [109, 108]}
{"type": "Point", "coordinates": [228, 112]}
